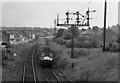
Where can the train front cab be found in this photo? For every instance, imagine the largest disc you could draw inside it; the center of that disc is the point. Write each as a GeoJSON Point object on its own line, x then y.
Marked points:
{"type": "Point", "coordinates": [46, 59]}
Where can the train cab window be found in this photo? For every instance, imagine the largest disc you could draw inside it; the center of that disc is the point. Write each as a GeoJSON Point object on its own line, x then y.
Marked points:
{"type": "Point", "coordinates": [43, 54]}
{"type": "Point", "coordinates": [51, 54]}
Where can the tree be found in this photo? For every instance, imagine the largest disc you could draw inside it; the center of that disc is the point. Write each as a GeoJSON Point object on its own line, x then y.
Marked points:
{"type": "Point", "coordinates": [67, 34]}
{"type": "Point", "coordinates": [59, 33]}
{"type": "Point", "coordinates": [74, 30]}
{"type": "Point", "coordinates": [95, 28]}
{"type": "Point", "coordinates": [118, 40]}
{"type": "Point", "coordinates": [89, 28]}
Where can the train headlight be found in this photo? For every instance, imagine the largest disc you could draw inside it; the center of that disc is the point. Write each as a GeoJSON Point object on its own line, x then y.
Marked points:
{"type": "Point", "coordinates": [51, 59]}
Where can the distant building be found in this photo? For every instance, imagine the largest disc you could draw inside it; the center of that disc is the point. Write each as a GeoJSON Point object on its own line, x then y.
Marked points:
{"type": "Point", "coordinates": [12, 37]}
{"type": "Point", "coordinates": [33, 36]}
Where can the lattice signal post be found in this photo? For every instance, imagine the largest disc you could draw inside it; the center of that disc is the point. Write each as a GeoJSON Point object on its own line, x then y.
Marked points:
{"type": "Point", "coordinates": [80, 21]}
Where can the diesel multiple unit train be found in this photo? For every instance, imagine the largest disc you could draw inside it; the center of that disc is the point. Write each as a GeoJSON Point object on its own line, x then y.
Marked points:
{"type": "Point", "coordinates": [46, 57]}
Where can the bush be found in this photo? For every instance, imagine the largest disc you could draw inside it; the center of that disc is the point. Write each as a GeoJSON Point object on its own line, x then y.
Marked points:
{"type": "Point", "coordinates": [118, 46]}
{"type": "Point", "coordinates": [74, 30]}
{"type": "Point", "coordinates": [87, 43]}
{"type": "Point", "coordinates": [64, 63]}
{"type": "Point", "coordinates": [78, 45]}
{"type": "Point", "coordinates": [118, 40]}
{"type": "Point", "coordinates": [68, 44]}
{"type": "Point", "coordinates": [95, 44]}
{"type": "Point", "coordinates": [59, 33]}
{"type": "Point", "coordinates": [112, 47]}
{"type": "Point", "coordinates": [81, 39]}
{"type": "Point", "coordinates": [83, 44]}
{"type": "Point", "coordinates": [67, 36]}
{"type": "Point", "coordinates": [60, 41]}
{"type": "Point", "coordinates": [79, 53]}
{"type": "Point", "coordinates": [112, 62]}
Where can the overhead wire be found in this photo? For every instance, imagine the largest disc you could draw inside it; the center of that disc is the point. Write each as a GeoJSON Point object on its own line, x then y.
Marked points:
{"type": "Point", "coordinates": [86, 5]}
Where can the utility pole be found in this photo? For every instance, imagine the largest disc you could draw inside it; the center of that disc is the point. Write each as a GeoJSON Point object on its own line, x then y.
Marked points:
{"type": "Point", "coordinates": [55, 27]}
{"type": "Point", "coordinates": [72, 41]}
{"type": "Point", "coordinates": [104, 36]}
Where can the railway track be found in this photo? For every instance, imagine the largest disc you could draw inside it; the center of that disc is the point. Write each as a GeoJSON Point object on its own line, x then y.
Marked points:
{"type": "Point", "coordinates": [29, 71]}
{"type": "Point", "coordinates": [50, 76]}
{"type": "Point", "coordinates": [31, 76]}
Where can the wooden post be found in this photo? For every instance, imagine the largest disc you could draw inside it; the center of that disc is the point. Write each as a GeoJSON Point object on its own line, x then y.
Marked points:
{"type": "Point", "coordinates": [72, 42]}
{"type": "Point", "coordinates": [72, 47]}
{"type": "Point", "coordinates": [72, 65]}
{"type": "Point", "coordinates": [104, 36]}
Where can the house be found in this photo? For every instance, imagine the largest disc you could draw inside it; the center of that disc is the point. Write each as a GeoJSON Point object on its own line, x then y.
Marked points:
{"type": "Point", "coordinates": [12, 37]}
{"type": "Point", "coordinates": [33, 36]}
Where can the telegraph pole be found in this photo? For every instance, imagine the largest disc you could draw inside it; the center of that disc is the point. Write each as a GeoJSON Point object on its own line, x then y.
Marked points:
{"type": "Point", "coordinates": [104, 36]}
{"type": "Point", "coordinates": [72, 43]}
{"type": "Point", "coordinates": [72, 40]}
{"type": "Point", "coordinates": [55, 27]}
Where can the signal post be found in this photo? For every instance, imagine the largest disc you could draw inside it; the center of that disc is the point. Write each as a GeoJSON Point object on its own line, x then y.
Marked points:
{"type": "Point", "coordinates": [80, 21]}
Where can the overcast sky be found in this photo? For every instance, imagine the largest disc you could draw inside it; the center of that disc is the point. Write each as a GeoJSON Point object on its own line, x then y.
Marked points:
{"type": "Point", "coordinates": [34, 13]}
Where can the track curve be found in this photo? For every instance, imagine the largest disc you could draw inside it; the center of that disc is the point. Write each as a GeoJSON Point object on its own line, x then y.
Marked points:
{"type": "Point", "coordinates": [29, 71]}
